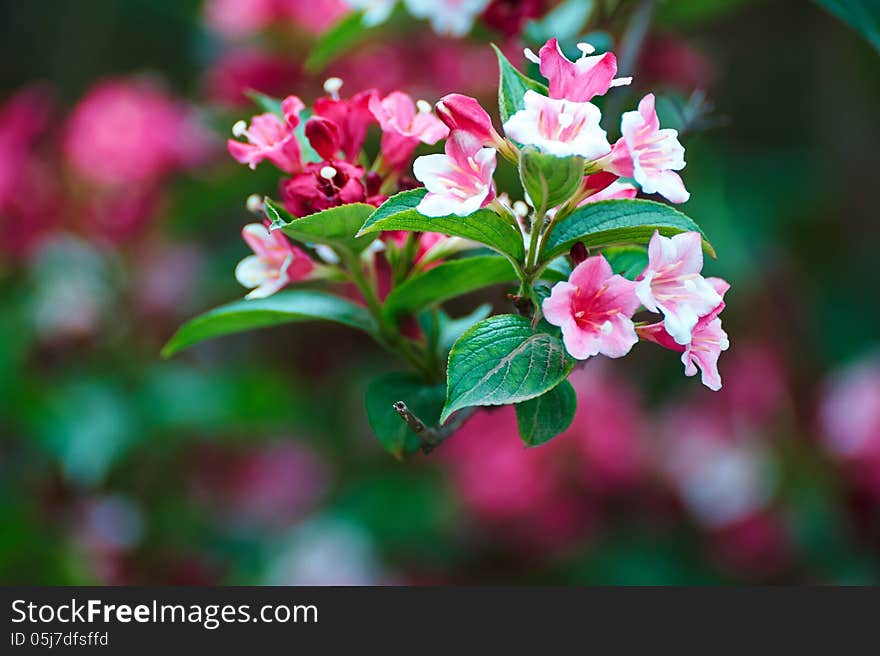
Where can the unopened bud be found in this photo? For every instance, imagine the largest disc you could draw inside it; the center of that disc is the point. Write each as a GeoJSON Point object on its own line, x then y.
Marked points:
{"type": "Point", "coordinates": [464, 113]}
{"type": "Point", "coordinates": [578, 253]}
{"type": "Point", "coordinates": [324, 136]}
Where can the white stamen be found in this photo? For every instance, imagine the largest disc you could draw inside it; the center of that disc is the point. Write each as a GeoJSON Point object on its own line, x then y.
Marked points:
{"type": "Point", "coordinates": [521, 209]}
{"type": "Point", "coordinates": [239, 129]}
{"type": "Point", "coordinates": [328, 172]}
{"type": "Point", "coordinates": [621, 81]}
{"type": "Point", "coordinates": [424, 106]}
{"type": "Point", "coordinates": [531, 56]}
{"type": "Point", "coordinates": [332, 85]}
{"type": "Point", "coordinates": [606, 328]}
{"type": "Point", "coordinates": [586, 49]}
{"type": "Point", "coordinates": [254, 204]}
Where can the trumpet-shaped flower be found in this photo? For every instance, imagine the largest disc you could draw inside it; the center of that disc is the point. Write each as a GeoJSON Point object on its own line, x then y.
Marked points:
{"type": "Point", "coordinates": [672, 283]}
{"type": "Point", "coordinates": [275, 263]}
{"type": "Point", "coordinates": [459, 182]}
{"type": "Point", "coordinates": [580, 80]}
{"type": "Point", "coordinates": [270, 137]}
{"type": "Point", "coordinates": [559, 127]}
{"type": "Point", "coordinates": [404, 125]}
{"type": "Point", "coordinates": [650, 155]}
{"type": "Point", "coordinates": [594, 309]}
{"type": "Point", "coordinates": [460, 112]}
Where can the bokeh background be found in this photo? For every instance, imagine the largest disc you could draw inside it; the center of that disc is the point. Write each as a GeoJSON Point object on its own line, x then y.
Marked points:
{"type": "Point", "coordinates": [249, 460]}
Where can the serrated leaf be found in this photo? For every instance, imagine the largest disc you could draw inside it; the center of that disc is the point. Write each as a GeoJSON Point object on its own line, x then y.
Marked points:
{"type": "Point", "coordinates": [546, 416]}
{"type": "Point", "coordinates": [484, 226]}
{"type": "Point", "coordinates": [549, 180]}
{"type": "Point", "coordinates": [336, 226]}
{"type": "Point", "coordinates": [512, 86]}
{"type": "Point", "coordinates": [290, 306]}
{"type": "Point", "coordinates": [448, 280]}
{"type": "Point", "coordinates": [425, 401]}
{"type": "Point", "coordinates": [500, 361]}
{"type": "Point", "coordinates": [616, 223]}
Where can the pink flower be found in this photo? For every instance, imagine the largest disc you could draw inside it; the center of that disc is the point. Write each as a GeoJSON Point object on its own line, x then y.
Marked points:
{"type": "Point", "coordinates": [708, 340]}
{"type": "Point", "coordinates": [850, 412]}
{"type": "Point", "coordinates": [131, 132]}
{"type": "Point", "coordinates": [672, 284]}
{"type": "Point", "coordinates": [594, 309]}
{"type": "Point", "coordinates": [270, 137]}
{"type": "Point", "coordinates": [606, 186]}
{"type": "Point", "coordinates": [650, 155]}
{"type": "Point", "coordinates": [404, 126]}
{"type": "Point", "coordinates": [239, 18]}
{"type": "Point", "coordinates": [464, 113]}
{"type": "Point", "coordinates": [316, 16]}
{"type": "Point", "coordinates": [275, 263]}
{"type": "Point", "coordinates": [242, 69]}
{"type": "Point", "coordinates": [321, 186]}
{"type": "Point", "coordinates": [23, 117]}
{"type": "Point", "coordinates": [459, 182]}
{"type": "Point", "coordinates": [581, 80]}
{"type": "Point", "coordinates": [559, 127]}
{"type": "Point", "coordinates": [509, 16]}
{"type": "Point", "coordinates": [353, 116]}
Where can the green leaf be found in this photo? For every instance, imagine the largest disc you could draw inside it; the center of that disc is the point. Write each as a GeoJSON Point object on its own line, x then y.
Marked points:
{"type": "Point", "coordinates": [425, 402]}
{"type": "Point", "coordinates": [549, 180]}
{"type": "Point", "coordinates": [861, 15]}
{"type": "Point", "coordinates": [616, 223]}
{"type": "Point", "coordinates": [512, 86]}
{"type": "Point", "coordinates": [336, 226]}
{"type": "Point", "coordinates": [546, 416]}
{"type": "Point", "coordinates": [628, 261]}
{"type": "Point", "coordinates": [484, 226]}
{"type": "Point", "coordinates": [284, 307]}
{"type": "Point", "coordinates": [502, 360]}
{"type": "Point", "coordinates": [343, 36]}
{"type": "Point", "coordinates": [448, 280]}
{"type": "Point", "coordinates": [451, 329]}
{"type": "Point", "coordinates": [266, 103]}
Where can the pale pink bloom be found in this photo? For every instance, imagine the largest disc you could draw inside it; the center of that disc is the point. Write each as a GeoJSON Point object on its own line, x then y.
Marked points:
{"type": "Point", "coordinates": [580, 80]}
{"type": "Point", "coordinates": [270, 137]}
{"type": "Point", "coordinates": [448, 17]}
{"type": "Point", "coordinates": [559, 127]}
{"type": "Point", "coordinates": [404, 126]}
{"type": "Point", "coordinates": [708, 340]}
{"type": "Point", "coordinates": [594, 309]}
{"type": "Point", "coordinates": [131, 132]}
{"type": "Point", "coordinates": [239, 18]}
{"type": "Point", "coordinates": [648, 154]}
{"type": "Point", "coordinates": [275, 263]}
{"type": "Point", "coordinates": [316, 16]}
{"type": "Point", "coordinates": [672, 283]}
{"type": "Point", "coordinates": [460, 112]}
{"type": "Point", "coordinates": [459, 182]}
{"type": "Point", "coordinates": [850, 412]}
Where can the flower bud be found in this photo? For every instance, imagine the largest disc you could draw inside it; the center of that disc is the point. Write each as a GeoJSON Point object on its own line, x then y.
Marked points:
{"type": "Point", "coordinates": [578, 253]}
{"type": "Point", "coordinates": [324, 136]}
{"type": "Point", "coordinates": [464, 113]}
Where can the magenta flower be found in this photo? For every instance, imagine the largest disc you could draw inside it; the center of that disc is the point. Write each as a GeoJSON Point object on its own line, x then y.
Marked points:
{"type": "Point", "coordinates": [559, 127]}
{"type": "Point", "coordinates": [594, 309]}
{"type": "Point", "coordinates": [459, 182]}
{"type": "Point", "coordinates": [580, 80]}
{"type": "Point", "coordinates": [460, 112]}
{"type": "Point", "coordinates": [321, 186]}
{"type": "Point", "coordinates": [270, 137]}
{"type": "Point", "coordinates": [606, 186]}
{"type": "Point", "coordinates": [353, 116]}
{"type": "Point", "coordinates": [276, 262]}
{"type": "Point", "coordinates": [672, 283]}
{"type": "Point", "coordinates": [404, 125]}
{"type": "Point", "coordinates": [650, 155]}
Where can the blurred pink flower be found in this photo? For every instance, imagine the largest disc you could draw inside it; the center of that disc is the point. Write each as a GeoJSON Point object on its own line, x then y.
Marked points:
{"type": "Point", "coordinates": [239, 18]}
{"type": "Point", "coordinates": [649, 154]}
{"type": "Point", "coordinates": [458, 182]}
{"type": "Point", "coordinates": [594, 309]}
{"type": "Point", "coordinates": [404, 126]}
{"type": "Point", "coordinates": [509, 16]}
{"type": "Point", "coordinates": [670, 61]}
{"type": "Point", "coordinates": [850, 412]}
{"type": "Point", "coordinates": [243, 69]}
{"type": "Point", "coordinates": [129, 131]}
{"type": "Point", "coordinates": [315, 16]}
{"type": "Point", "coordinates": [581, 80]}
{"type": "Point", "coordinates": [270, 137]}
{"type": "Point", "coordinates": [23, 117]}
{"type": "Point", "coordinates": [276, 262]}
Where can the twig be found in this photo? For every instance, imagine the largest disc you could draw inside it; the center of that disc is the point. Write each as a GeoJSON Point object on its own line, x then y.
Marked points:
{"type": "Point", "coordinates": [431, 437]}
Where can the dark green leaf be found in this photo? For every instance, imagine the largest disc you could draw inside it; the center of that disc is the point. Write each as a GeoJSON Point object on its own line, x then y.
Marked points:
{"type": "Point", "coordinates": [335, 227]}
{"type": "Point", "coordinates": [549, 180]}
{"type": "Point", "coordinates": [628, 261]}
{"type": "Point", "coordinates": [284, 307]}
{"type": "Point", "coordinates": [423, 400]}
{"type": "Point", "coordinates": [343, 36]}
{"type": "Point", "coordinates": [616, 223]}
{"type": "Point", "coordinates": [512, 86]}
{"type": "Point", "coordinates": [448, 280]}
{"type": "Point", "coordinates": [502, 360]}
{"type": "Point", "coordinates": [546, 416]}
{"type": "Point", "coordinates": [484, 226]}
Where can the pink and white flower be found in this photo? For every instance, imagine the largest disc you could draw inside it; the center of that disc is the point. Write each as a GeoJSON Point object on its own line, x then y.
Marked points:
{"type": "Point", "coordinates": [459, 182]}
{"type": "Point", "coordinates": [460, 112]}
{"type": "Point", "coordinates": [559, 127]}
{"type": "Point", "coordinates": [270, 137]}
{"type": "Point", "coordinates": [672, 283]}
{"type": "Point", "coordinates": [580, 80]}
{"type": "Point", "coordinates": [275, 263]}
{"type": "Point", "coordinates": [594, 309]}
{"type": "Point", "coordinates": [404, 125]}
{"type": "Point", "coordinates": [649, 154]}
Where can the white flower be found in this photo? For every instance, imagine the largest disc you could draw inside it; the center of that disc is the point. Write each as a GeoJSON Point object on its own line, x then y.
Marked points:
{"type": "Point", "coordinates": [459, 182]}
